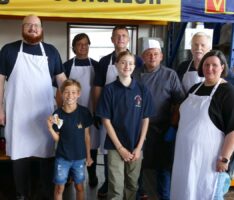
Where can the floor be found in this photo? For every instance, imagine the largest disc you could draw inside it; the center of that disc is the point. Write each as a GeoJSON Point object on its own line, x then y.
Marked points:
{"type": "Point", "coordinates": [7, 189]}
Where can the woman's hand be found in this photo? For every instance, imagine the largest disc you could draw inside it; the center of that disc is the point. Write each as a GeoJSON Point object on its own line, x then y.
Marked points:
{"type": "Point", "coordinates": [221, 166]}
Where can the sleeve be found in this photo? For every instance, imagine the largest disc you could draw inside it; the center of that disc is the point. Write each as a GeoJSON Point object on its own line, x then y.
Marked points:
{"type": "Point", "coordinates": [100, 75]}
{"type": "Point", "coordinates": [3, 63]}
{"type": "Point", "coordinates": [178, 93]}
{"type": "Point", "coordinates": [67, 67]}
{"type": "Point", "coordinates": [228, 110]}
{"type": "Point", "coordinates": [104, 104]}
{"type": "Point", "coordinates": [181, 69]}
{"type": "Point", "coordinates": [8, 56]}
{"type": "Point", "coordinates": [148, 106]}
{"type": "Point", "coordinates": [88, 119]}
{"type": "Point", "coordinates": [55, 62]}
{"type": "Point", "coordinates": [96, 68]}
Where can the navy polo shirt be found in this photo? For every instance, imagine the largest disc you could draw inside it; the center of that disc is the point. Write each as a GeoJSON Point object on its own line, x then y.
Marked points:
{"type": "Point", "coordinates": [79, 63]}
{"type": "Point", "coordinates": [125, 107]}
{"type": "Point", "coordinates": [71, 145]}
{"type": "Point", "coordinates": [9, 53]}
{"type": "Point", "coordinates": [100, 77]}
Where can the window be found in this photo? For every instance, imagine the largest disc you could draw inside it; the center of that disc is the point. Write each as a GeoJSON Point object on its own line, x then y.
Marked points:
{"type": "Point", "coordinates": [100, 37]}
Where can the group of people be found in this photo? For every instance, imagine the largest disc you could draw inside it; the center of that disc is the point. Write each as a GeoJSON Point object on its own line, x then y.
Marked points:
{"type": "Point", "coordinates": [140, 113]}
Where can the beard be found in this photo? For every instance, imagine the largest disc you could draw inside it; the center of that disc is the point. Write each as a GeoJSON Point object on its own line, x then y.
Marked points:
{"type": "Point", "coordinates": [32, 39]}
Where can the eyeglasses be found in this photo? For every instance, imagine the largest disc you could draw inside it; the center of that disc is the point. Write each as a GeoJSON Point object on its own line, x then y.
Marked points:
{"type": "Point", "coordinates": [29, 25]}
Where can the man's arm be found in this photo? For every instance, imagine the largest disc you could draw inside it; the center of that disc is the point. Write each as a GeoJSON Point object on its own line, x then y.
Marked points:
{"type": "Point", "coordinates": [60, 78]}
{"type": "Point", "coordinates": [2, 111]}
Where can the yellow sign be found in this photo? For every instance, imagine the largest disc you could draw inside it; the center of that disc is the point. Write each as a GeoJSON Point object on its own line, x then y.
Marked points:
{"type": "Point", "coordinates": [153, 10]}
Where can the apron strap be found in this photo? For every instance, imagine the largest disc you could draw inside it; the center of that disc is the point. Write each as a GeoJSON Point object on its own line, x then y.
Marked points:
{"type": "Point", "coordinates": [73, 62]}
{"type": "Point", "coordinates": [41, 46]}
{"type": "Point", "coordinates": [215, 87]}
{"type": "Point", "coordinates": [213, 90]}
{"type": "Point", "coordinates": [189, 65]}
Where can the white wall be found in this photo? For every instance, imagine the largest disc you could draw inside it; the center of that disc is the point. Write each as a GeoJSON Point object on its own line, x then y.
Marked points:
{"type": "Point", "coordinates": [54, 33]}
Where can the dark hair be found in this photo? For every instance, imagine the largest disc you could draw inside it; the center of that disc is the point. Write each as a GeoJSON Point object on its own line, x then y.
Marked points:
{"type": "Point", "coordinates": [119, 27]}
{"type": "Point", "coordinates": [79, 37]}
{"type": "Point", "coordinates": [221, 58]}
{"type": "Point", "coordinates": [70, 82]}
{"type": "Point", "coordinates": [122, 54]}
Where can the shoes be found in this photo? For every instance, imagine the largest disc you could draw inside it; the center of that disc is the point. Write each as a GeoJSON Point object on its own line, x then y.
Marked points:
{"type": "Point", "coordinates": [102, 191]}
{"type": "Point", "coordinates": [93, 181]}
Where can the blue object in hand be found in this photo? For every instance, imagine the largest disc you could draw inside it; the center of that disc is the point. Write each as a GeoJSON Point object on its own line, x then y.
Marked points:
{"type": "Point", "coordinates": [170, 134]}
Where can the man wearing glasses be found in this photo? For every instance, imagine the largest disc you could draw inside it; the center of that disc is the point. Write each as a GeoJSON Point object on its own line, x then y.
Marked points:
{"type": "Point", "coordinates": [28, 66]}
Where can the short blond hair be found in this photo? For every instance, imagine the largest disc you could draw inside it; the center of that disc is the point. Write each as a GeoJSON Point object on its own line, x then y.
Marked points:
{"type": "Point", "coordinates": [70, 82]}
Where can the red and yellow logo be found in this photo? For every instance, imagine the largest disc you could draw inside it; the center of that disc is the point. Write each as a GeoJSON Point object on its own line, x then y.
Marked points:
{"type": "Point", "coordinates": [215, 6]}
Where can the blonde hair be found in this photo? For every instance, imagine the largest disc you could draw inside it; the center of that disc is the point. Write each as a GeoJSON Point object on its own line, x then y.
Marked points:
{"type": "Point", "coordinates": [70, 82]}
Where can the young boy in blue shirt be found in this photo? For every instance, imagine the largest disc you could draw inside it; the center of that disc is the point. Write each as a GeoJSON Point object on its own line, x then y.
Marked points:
{"type": "Point", "coordinates": [69, 126]}
{"type": "Point", "coordinates": [125, 107]}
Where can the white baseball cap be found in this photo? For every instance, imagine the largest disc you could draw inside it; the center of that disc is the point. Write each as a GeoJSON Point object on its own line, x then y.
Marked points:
{"type": "Point", "coordinates": [149, 43]}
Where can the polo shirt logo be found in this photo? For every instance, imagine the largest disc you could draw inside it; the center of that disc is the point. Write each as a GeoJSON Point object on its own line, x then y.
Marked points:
{"type": "Point", "coordinates": [138, 100]}
{"type": "Point", "coordinates": [79, 126]}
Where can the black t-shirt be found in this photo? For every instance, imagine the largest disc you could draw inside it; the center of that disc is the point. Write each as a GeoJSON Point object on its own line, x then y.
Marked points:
{"type": "Point", "coordinates": [183, 67]}
{"type": "Point", "coordinates": [221, 110]}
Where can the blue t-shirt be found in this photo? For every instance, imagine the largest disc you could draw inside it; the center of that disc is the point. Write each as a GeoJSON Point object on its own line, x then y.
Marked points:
{"type": "Point", "coordinates": [100, 77]}
{"type": "Point", "coordinates": [9, 53]}
{"type": "Point", "coordinates": [125, 107]}
{"type": "Point", "coordinates": [71, 145]}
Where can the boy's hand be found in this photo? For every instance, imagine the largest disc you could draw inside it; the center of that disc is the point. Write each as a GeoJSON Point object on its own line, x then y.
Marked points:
{"type": "Point", "coordinates": [125, 154]}
{"type": "Point", "coordinates": [89, 162]}
{"type": "Point", "coordinates": [136, 154]}
{"type": "Point", "coordinates": [50, 122]}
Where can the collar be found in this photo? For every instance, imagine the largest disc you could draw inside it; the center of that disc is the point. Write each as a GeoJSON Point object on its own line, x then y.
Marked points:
{"type": "Point", "coordinates": [131, 86]}
{"type": "Point", "coordinates": [155, 70]}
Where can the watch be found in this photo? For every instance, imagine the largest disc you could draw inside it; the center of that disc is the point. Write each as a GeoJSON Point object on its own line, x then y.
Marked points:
{"type": "Point", "coordinates": [223, 159]}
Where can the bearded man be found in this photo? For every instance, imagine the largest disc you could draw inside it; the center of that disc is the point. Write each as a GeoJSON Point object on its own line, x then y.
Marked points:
{"type": "Point", "coordinates": [29, 66]}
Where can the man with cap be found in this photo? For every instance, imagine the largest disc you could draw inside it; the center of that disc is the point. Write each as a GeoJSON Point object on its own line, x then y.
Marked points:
{"type": "Point", "coordinates": [167, 93]}
{"type": "Point", "coordinates": [187, 71]}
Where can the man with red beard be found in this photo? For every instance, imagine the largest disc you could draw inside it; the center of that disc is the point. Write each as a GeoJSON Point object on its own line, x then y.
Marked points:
{"type": "Point", "coordinates": [29, 66]}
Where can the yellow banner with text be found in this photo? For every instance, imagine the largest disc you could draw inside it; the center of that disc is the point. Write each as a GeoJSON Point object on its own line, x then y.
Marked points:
{"type": "Point", "coordinates": [152, 10]}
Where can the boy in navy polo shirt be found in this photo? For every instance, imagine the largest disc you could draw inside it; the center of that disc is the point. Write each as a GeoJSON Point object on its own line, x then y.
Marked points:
{"type": "Point", "coordinates": [125, 107]}
{"type": "Point", "coordinates": [69, 126]}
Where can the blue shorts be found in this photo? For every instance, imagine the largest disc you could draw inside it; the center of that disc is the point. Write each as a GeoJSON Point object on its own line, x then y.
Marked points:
{"type": "Point", "coordinates": [62, 168]}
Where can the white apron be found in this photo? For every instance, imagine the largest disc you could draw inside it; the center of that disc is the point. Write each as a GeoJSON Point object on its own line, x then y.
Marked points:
{"type": "Point", "coordinates": [198, 144]}
{"type": "Point", "coordinates": [190, 78]}
{"type": "Point", "coordinates": [85, 75]}
{"type": "Point", "coordinates": [29, 102]}
{"type": "Point", "coordinates": [111, 76]}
